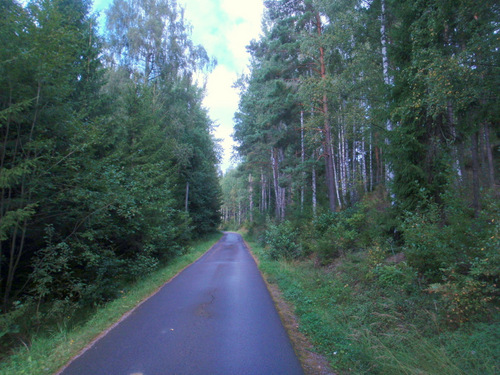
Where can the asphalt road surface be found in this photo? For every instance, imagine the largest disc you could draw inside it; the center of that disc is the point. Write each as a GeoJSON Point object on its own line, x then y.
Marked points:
{"type": "Point", "coordinates": [216, 317]}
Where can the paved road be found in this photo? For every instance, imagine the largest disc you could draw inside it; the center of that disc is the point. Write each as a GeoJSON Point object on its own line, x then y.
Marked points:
{"type": "Point", "coordinates": [216, 317]}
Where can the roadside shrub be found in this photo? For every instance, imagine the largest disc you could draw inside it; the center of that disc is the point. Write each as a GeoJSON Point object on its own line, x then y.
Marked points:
{"type": "Point", "coordinates": [378, 219]}
{"type": "Point", "coordinates": [283, 241]}
{"type": "Point", "coordinates": [470, 295]}
{"type": "Point", "coordinates": [335, 234]}
{"type": "Point", "coordinates": [54, 279]}
{"type": "Point", "coordinates": [143, 263]}
{"type": "Point", "coordinates": [425, 246]}
{"type": "Point", "coordinates": [464, 297]}
{"type": "Point", "coordinates": [439, 236]}
{"type": "Point", "coordinates": [16, 323]}
{"type": "Point", "coordinates": [257, 228]}
{"type": "Point", "coordinates": [395, 275]}
{"type": "Point", "coordinates": [458, 256]}
{"type": "Point", "coordinates": [102, 271]}
{"type": "Point", "coordinates": [376, 255]}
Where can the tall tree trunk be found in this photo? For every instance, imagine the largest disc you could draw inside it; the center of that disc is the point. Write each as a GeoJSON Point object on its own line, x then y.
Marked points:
{"type": "Point", "coordinates": [475, 174]}
{"type": "Point", "coordinates": [263, 191]}
{"type": "Point", "coordinates": [363, 164]}
{"type": "Point", "coordinates": [371, 162]}
{"type": "Point", "coordinates": [281, 157]}
{"type": "Point", "coordinates": [454, 152]}
{"type": "Point", "coordinates": [335, 177]}
{"type": "Point", "coordinates": [239, 213]}
{"type": "Point", "coordinates": [389, 174]}
{"type": "Point", "coordinates": [313, 187]}
{"type": "Point", "coordinates": [279, 192]}
{"type": "Point", "coordinates": [378, 166]}
{"type": "Point", "coordinates": [186, 200]}
{"type": "Point", "coordinates": [302, 160]}
{"type": "Point", "coordinates": [343, 172]}
{"type": "Point", "coordinates": [330, 181]}
{"type": "Point", "coordinates": [250, 196]}
{"type": "Point", "coordinates": [10, 270]}
{"type": "Point", "coordinates": [489, 154]}
{"type": "Point", "coordinates": [17, 248]}
{"type": "Point", "coordinates": [269, 193]}
{"type": "Point", "coordinates": [277, 201]}
{"type": "Point", "coordinates": [347, 169]}
{"type": "Point", "coordinates": [3, 190]}
{"type": "Point", "coordinates": [354, 193]}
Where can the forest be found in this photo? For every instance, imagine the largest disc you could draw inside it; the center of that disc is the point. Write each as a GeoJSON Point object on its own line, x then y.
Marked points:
{"type": "Point", "coordinates": [108, 166]}
{"type": "Point", "coordinates": [367, 184]}
{"type": "Point", "coordinates": [369, 147]}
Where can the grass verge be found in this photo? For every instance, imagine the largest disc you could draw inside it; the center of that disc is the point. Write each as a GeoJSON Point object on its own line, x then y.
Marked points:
{"type": "Point", "coordinates": [51, 350]}
{"type": "Point", "coordinates": [312, 362]}
{"type": "Point", "coordinates": [363, 327]}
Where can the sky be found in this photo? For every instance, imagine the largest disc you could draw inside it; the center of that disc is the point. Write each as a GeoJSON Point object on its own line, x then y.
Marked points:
{"type": "Point", "coordinates": [224, 28]}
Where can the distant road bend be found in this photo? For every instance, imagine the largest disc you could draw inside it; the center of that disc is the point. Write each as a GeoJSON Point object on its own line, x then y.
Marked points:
{"type": "Point", "coordinates": [216, 317]}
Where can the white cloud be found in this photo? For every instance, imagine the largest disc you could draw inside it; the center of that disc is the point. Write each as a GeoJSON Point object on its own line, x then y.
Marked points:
{"type": "Point", "coordinates": [222, 101]}
{"type": "Point", "coordinates": [245, 25]}
{"type": "Point", "coordinates": [224, 28]}
{"type": "Point", "coordinates": [219, 90]}
{"type": "Point", "coordinates": [238, 40]}
{"type": "Point", "coordinates": [249, 10]}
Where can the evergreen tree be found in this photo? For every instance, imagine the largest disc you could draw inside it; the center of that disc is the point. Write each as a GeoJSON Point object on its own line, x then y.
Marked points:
{"type": "Point", "coordinates": [94, 159]}
{"type": "Point", "coordinates": [48, 68]}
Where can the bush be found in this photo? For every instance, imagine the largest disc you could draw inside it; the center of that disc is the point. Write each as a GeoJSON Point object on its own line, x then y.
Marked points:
{"type": "Point", "coordinates": [378, 219]}
{"type": "Point", "coordinates": [458, 256]}
{"type": "Point", "coordinates": [283, 241]}
{"type": "Point", "coordinates": [144, 263]}
{"type": "Point", "coordinates": [470, 295]}
{"type": "Point", "coordinates": [395, 275]}
{"type": "Point", "coordinates": [425, 246]}
{"type": "Point", "coordinates": [54, 280]}
{"type": "Point", "coordinates": [335, 233]}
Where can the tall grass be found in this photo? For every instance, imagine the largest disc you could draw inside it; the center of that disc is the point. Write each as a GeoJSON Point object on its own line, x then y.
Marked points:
{"type": "Point", "coordinates": [50, 350]}
{"type": "Point", "coordinates": [368, 327]}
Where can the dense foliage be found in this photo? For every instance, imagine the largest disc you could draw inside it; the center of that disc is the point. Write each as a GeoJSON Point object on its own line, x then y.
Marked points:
{"type": "Point", "coordinates": [398, 94]}
{"type": "Point", "coordinates": [108, 165]}
{"type": "Point", "coordinates": [372, 128]}
{"type": "Point", "coordinates": [365, 316]}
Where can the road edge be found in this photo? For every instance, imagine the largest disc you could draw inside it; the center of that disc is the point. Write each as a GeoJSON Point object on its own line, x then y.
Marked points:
{"type": "Point", "coordinates": [128, 313]}
{"type": "Point", "coordinates": [312, 363]}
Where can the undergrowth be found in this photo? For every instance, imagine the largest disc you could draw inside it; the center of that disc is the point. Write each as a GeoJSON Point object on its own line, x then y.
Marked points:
{"type": "Point", "coordinates": [368, 316]}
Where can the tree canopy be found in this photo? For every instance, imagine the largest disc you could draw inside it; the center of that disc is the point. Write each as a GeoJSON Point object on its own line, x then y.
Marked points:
{"type": "Point", "coordinates": [402, 95]}
{"type": "Point", "coordinates": [108, 163]}
{"type": "Point", "coordinates": [370, 127]}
